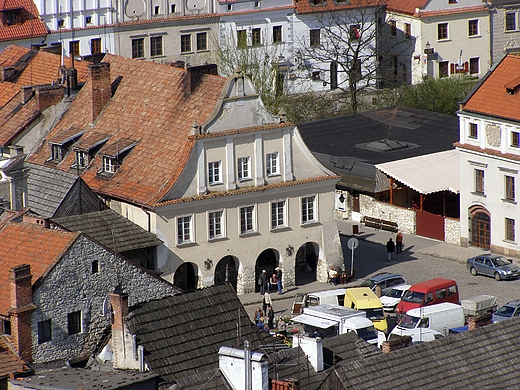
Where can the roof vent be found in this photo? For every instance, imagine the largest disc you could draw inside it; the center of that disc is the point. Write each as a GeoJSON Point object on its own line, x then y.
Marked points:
{"type": "Point", "coordinates": [386, 145]}
{"type": "Point", "coordinates": [513, 86]}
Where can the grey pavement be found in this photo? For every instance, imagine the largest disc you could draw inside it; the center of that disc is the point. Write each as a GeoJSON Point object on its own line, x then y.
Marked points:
{"type": "Point", "coordinates": [415, 244]}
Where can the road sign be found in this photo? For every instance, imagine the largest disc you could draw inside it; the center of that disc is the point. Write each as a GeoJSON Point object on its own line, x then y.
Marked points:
{"type": "Point", "coordinates": [353, 243]}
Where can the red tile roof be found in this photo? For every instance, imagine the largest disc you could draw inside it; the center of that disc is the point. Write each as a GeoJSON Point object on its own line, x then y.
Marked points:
{"type": "Point", "coordinates": [151, 107]}
{"type": "Point", "coordinates": [9, 362]}
{"type": "Point", "coordinates": [15, 118]}
{"type": "Point", "coordinates": [306, 7]}
{"type": "Point", "coordinates": [12, 54]}
{"type": "Point", "coordinates": [26, 243]}
{"type": "Point", "coordinates": [492, 98]}
{"type": "Point", "coordinates": [7, 92]}
{"type": "Point", "coordinates": [452, 11]}
{"type": "Point", "coordinates": [31, 25]}
{"type": "Point", "coordinates": [410, 7]}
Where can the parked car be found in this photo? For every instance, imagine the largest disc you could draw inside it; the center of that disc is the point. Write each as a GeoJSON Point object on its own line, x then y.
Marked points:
{"type": "Point", "coordinates": [393, 297]}
{"type": "Point", "coordinates": [509, 310]}
{"type": "Point", "coordinates": [493, 265]}
{"type": "Point", "coordinates": [419, 336]}
{"type": "Point", "coordinates": [385, 279]}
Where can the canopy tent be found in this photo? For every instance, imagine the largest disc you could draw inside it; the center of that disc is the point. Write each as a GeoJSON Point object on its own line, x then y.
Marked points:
{"type": "Point", "coordinates": [427, 174]}
{"type": "Point", "coordinates": [321, 323]}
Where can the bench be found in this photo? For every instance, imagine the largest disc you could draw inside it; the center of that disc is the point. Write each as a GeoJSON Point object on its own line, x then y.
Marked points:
{"type": "Point", "coordinates": [379, 223]}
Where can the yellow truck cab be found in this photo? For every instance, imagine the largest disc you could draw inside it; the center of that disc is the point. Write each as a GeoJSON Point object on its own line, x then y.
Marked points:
{"type": "Point", "coordinates": [363, 298]}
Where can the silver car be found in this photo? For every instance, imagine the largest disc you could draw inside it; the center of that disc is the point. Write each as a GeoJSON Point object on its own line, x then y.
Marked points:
{"type": "Point", "coordinates": [509, 310]}
{"type": "Point", "coordinates": [493, 265]}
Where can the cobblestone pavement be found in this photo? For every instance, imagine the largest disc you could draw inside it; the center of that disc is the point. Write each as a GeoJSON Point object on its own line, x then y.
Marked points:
{"type": "Point", "coordinates": [422, 259]}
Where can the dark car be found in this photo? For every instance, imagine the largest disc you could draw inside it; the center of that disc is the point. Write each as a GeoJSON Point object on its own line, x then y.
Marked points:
{"type": "Point", "coordinates": [385, 279]}
{"type": "Point", "coordinates": [493, 265]}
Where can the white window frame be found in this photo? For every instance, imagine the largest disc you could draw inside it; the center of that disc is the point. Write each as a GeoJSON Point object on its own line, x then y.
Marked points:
{"type": "Point", "coordinates": [109, 164]}
{"type": "Point", "coordinates": [252, 222]}
{"type": "Point", "coordinates": [244, 168]}
{"type": "Point", "coordinates": [187, 223]}
{"type": "Point", "coordinates": [82, 159]}
{"type": "Point", "coordinates": [272, 164]}
{"type": "Point", "coordinates": [57, 152]}
{"type": "Point", "coordinates": [278, 214]}
{"type": "Point", "coordinates": [306, 210]}
{"type": "Point", "coordinates": [216, 227]}
{"type": "Point", "coordinates": [214, 172]}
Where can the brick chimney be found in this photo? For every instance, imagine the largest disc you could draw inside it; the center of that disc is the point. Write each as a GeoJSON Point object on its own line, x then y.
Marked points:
{"type": "Point", "coordinates": [21, 310]}
{"type": "Point", "coordinates": [6, 73]}
{"type": "Point", "coordinates": [195, 73]}
{"type": "Point", "coordinates": [124, 344]}
{"type": "Point", "coordinates": [27, 93]}
{"type": "Point", "coordinates": [479, 321]}
{"type": "Point", "coordinates": [49, 95]}
{"type": "Point", "coordinates": [399, 342]}
{"type": "Point", "coordinates": [119, 302]}
{"type": "Point", "coordinates": [35, 220]}
{"type": "Point", "coordinates": [101, 87]}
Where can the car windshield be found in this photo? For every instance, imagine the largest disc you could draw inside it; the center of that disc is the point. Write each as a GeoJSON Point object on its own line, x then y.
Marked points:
{"type": "Point", "coordinates": [367, 283]}
{"type": "Point", "coordinates": [413, 296]}
{"type": "Point", "coordinates": [394, 293]}
{"type": "Point", "coordinates": [500, 261]}
{"type": "Point", "coordinates": [375, 314]}
{"type": "Point", "coordinates": [505, 311]}
{"type": "Point", "coordinates": [408, 322]}
{"type": "Point", "coordinates": [367, 333]}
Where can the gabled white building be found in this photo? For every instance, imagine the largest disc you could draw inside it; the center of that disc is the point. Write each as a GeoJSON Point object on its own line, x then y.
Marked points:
{"type": "Point", "coordinates": [489, 148]}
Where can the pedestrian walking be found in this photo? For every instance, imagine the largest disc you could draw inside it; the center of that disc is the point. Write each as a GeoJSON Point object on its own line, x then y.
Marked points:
{"type": "Point", "coordinates": [258, 314]}
{"type": "Point", "coordinates": [270, 317]}
{"type": "Point", "coordinates": [279, 280]}
{"type": "Point", "coordinates": [262, 281]}
{"type": "Point", "coordinates": [399, 243]}
{"type": "Point", "coordinates": [390, 249]}
{"type": "Point", "coordinates": [267, 301]}
{"type": "Point", "coordinates": [378, 291]}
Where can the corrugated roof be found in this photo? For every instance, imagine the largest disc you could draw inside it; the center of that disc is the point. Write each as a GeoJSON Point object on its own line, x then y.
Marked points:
{"type": "Point", "coordinates": [26, 243]}
{"type": "Point", "coordinates": [427, 174]}
{"type": "Point", "coordinates": [111, 230]}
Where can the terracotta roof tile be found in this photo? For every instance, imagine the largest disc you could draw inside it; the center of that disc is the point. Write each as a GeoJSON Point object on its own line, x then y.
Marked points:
{"type": "Point", "coordinates": [149, 106]}
{"type": "Point", "coordinates": [7, 92]}
{"type": "Point", "coordinates": [16, 117]}
{"type": "Point", "coordinates": [405, 6]}
{"type": "Point", "coordinates": [9, 362]}
{"type": "Point", "coordinates": [305, 6]}
{"type": "Point", "coordinates": [492, 97]}
{"type": "Point", "coordinates": [452, 11]}
{"type": "Point", "coordinates": [12, 54]}
{"type": "Point", "coordinates": [31, 25]}
{"type": "Point", "coordinates": [25, 243]}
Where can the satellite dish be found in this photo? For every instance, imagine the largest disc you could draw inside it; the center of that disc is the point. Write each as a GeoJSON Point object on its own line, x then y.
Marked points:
{"type": "Point", "coordinates": [135, 8]}
{"type": "Point", "coordinates": [195, 5]}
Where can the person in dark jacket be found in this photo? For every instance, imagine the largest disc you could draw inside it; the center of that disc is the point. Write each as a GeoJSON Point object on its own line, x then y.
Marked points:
{"type": "Point", "coordinates": [279, 280]}
{"type": "Point", "coordinates": [263, 280]}
{"type": "Point", "coordinates": [270, 317]}
{"type": "Point", "coordinates": [390, 249]}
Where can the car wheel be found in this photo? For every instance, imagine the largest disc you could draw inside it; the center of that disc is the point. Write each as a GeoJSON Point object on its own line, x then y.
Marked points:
{"type": "Point", "coordinates": [473, 271]}
{"type": "Point", "coordinates": [497, 276]}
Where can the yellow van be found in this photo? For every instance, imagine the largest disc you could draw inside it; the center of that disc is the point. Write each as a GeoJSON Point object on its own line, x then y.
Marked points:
{"type": "Point", "coordinates": [363, 298]}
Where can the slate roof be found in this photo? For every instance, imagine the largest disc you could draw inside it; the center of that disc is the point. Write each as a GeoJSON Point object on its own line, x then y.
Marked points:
{"type": "Point", "coordinates": [110, 229]}
{"type": "Point", "coordinates": [491, 96]}
{"type": "Point", "coordinates": [484, 358]}
{"type": "Point", "coordinates": [47, 188]}
{"type": "Point", "coordinates": [182, 334]}
{"type": "Point", "coordinates": [150, 106]}
{"type": "Point", "coordinates": [351, 145]}
{"type": "Point", "coordinates": [26, 243]}
{"type": "Point", "coordinates": [31, 25]}
{"type": "Point", "coordinates": [9, 362]}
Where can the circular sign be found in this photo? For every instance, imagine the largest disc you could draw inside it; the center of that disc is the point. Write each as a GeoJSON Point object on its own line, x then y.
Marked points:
{"type": "Point", "coordinates": [352, 243]}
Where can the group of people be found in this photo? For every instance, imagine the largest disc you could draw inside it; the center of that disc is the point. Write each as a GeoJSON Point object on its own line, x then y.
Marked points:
{"type": "Point", "coordinates": [264, 319]}
{"type": "Point", "coordinates": [394, 247]}
{"type": "Point", "coordinates": [337, 275]}
{"type": "Point", "coordinates": [270, 283]}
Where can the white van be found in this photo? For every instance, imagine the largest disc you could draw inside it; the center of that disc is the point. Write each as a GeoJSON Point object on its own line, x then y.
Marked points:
{"type": "Point", "coordinates": [440, 317]}
{"type": "Point", "coordinates": [333, 297]}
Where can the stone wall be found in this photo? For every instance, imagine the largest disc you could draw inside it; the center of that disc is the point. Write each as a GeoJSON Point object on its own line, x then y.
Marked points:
{"type": "Point", "coordinates": [404, 217]}
{"type": "Point", "coordinates": [72, 286]}
{"type": "Point", "coordinates": [452, 231]}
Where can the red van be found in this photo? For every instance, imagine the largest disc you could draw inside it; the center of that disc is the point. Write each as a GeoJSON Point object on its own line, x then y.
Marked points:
{"type": "Point", "coordinates": [428, 293]}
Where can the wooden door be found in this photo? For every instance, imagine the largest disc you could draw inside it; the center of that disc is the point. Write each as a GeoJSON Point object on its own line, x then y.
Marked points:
{"type": "Point", "coordinates": [480, 235]}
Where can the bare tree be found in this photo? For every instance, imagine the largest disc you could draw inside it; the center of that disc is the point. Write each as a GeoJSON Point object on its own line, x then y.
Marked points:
{"type": "Point", "coordinates": [348, 44]}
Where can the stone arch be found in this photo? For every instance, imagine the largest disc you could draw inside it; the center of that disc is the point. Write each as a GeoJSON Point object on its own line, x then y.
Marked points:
{"type": "Point", "coordinates": [480, 222]}
{"type": "Point", "coordinates": [185, 276]}
{"type": "Point", "coordinates": [268, 260]}
{"type": "Point", "coordinates": [227, 264]}
{"type": "Point", "coordinates": [306, 263]}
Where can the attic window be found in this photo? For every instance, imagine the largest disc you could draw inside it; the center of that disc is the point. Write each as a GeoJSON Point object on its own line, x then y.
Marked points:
{"type": "Point", "coordinates": [114, 155]}
{"type": "Point", "coordinates": [318, 2]}
{"type": "Point", "coordinates": [513, 86]}
{"type": "Point", "coordinates": [81, 159]}
{"type": "Point", "coordinates": [386, 145]}
{"type": "Point", "coordinates": [6, 327]}
{"type": "Point", "coordinates": [12, 17]}
{"type": "Point", "coordinates": [57, 152]}
{"type": "Point", "coordinates": [109, 164]}
{"type": "Point", "coordinates": [62, 143]}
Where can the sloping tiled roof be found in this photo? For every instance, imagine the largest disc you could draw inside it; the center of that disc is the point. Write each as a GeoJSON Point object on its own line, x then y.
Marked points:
{"type": "Point", "coordinates": [306, 6]}
{"type": "Point", "coordinates": [452, 11]}
{"type": "Point", "coordinates": [182, 334]}
{"type": "Point", "coordinates": [31, 25]}
{"type": "Point", "coordinates": [405, 6]}
{"type": "Point", "coordinates": [9, 362]}
{"type": "Point", "coordinates": [47, 188]}
{"type": "Point", "coordinates": [43, 68]}
{"type": "Point", "coordinates": [13, 54]}
{"type": "Point", "coordinates": [26, 243]}
{"type": "Point", "coordinates": [492, 97]}
{"type": "Point", "coordinates": [110, 229]}
{"type": "Point", "coordinates": [15, 117]}
{"type": "Point", "coordinates": [484, 358]}
{"type": "Point", "coordinates": [7, 92]}
{"type": "Point", "coordinates": [150, 106]}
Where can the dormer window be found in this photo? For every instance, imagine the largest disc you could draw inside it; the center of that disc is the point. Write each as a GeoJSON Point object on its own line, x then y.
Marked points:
{"type": "Point", "coordinates": [513, 86]}
{"type": "Point", "coordinates": [81, 159]}
{"type": "Point", "coordinates": [114, 154]}
{"type": "Point", "coordinates": [62, 143]}
{"type": "Point", "coordinates": [109, 164]}
{"type": "Point", "coordinates": [57, 152]}
{"type": "Point", "coordinates": [11, 17]}
{"type": "Point", "coordinates": [87, 147]}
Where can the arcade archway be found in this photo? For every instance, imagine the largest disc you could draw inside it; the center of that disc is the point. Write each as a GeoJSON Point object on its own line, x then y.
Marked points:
{"type": "Point", "coordinates": [226, 265]}
{"type": "Point", "coordinates": [306, 263]}
{"type": "Point", "coordinates": [267, 260]}
{"type": "Point", "coordinates": [186, 276]}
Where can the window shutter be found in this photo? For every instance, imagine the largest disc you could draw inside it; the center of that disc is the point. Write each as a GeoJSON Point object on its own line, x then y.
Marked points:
{"type": "Point", "coordinates": [452, 68]}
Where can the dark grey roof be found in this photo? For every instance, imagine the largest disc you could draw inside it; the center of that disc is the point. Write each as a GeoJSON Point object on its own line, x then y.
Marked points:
{"type": "Point", "coordinates": [75, 378]}
{"type": "Point", "coordinates": [47, 188]}
{"type": "Point", "coordinates": [348, 145]}
{"type": "Point", "coordinates": [484, 358]}
{"type": "Point", "coordinates": [110, 229]}
{"type": "Point", "coordinates": [182, 334]}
